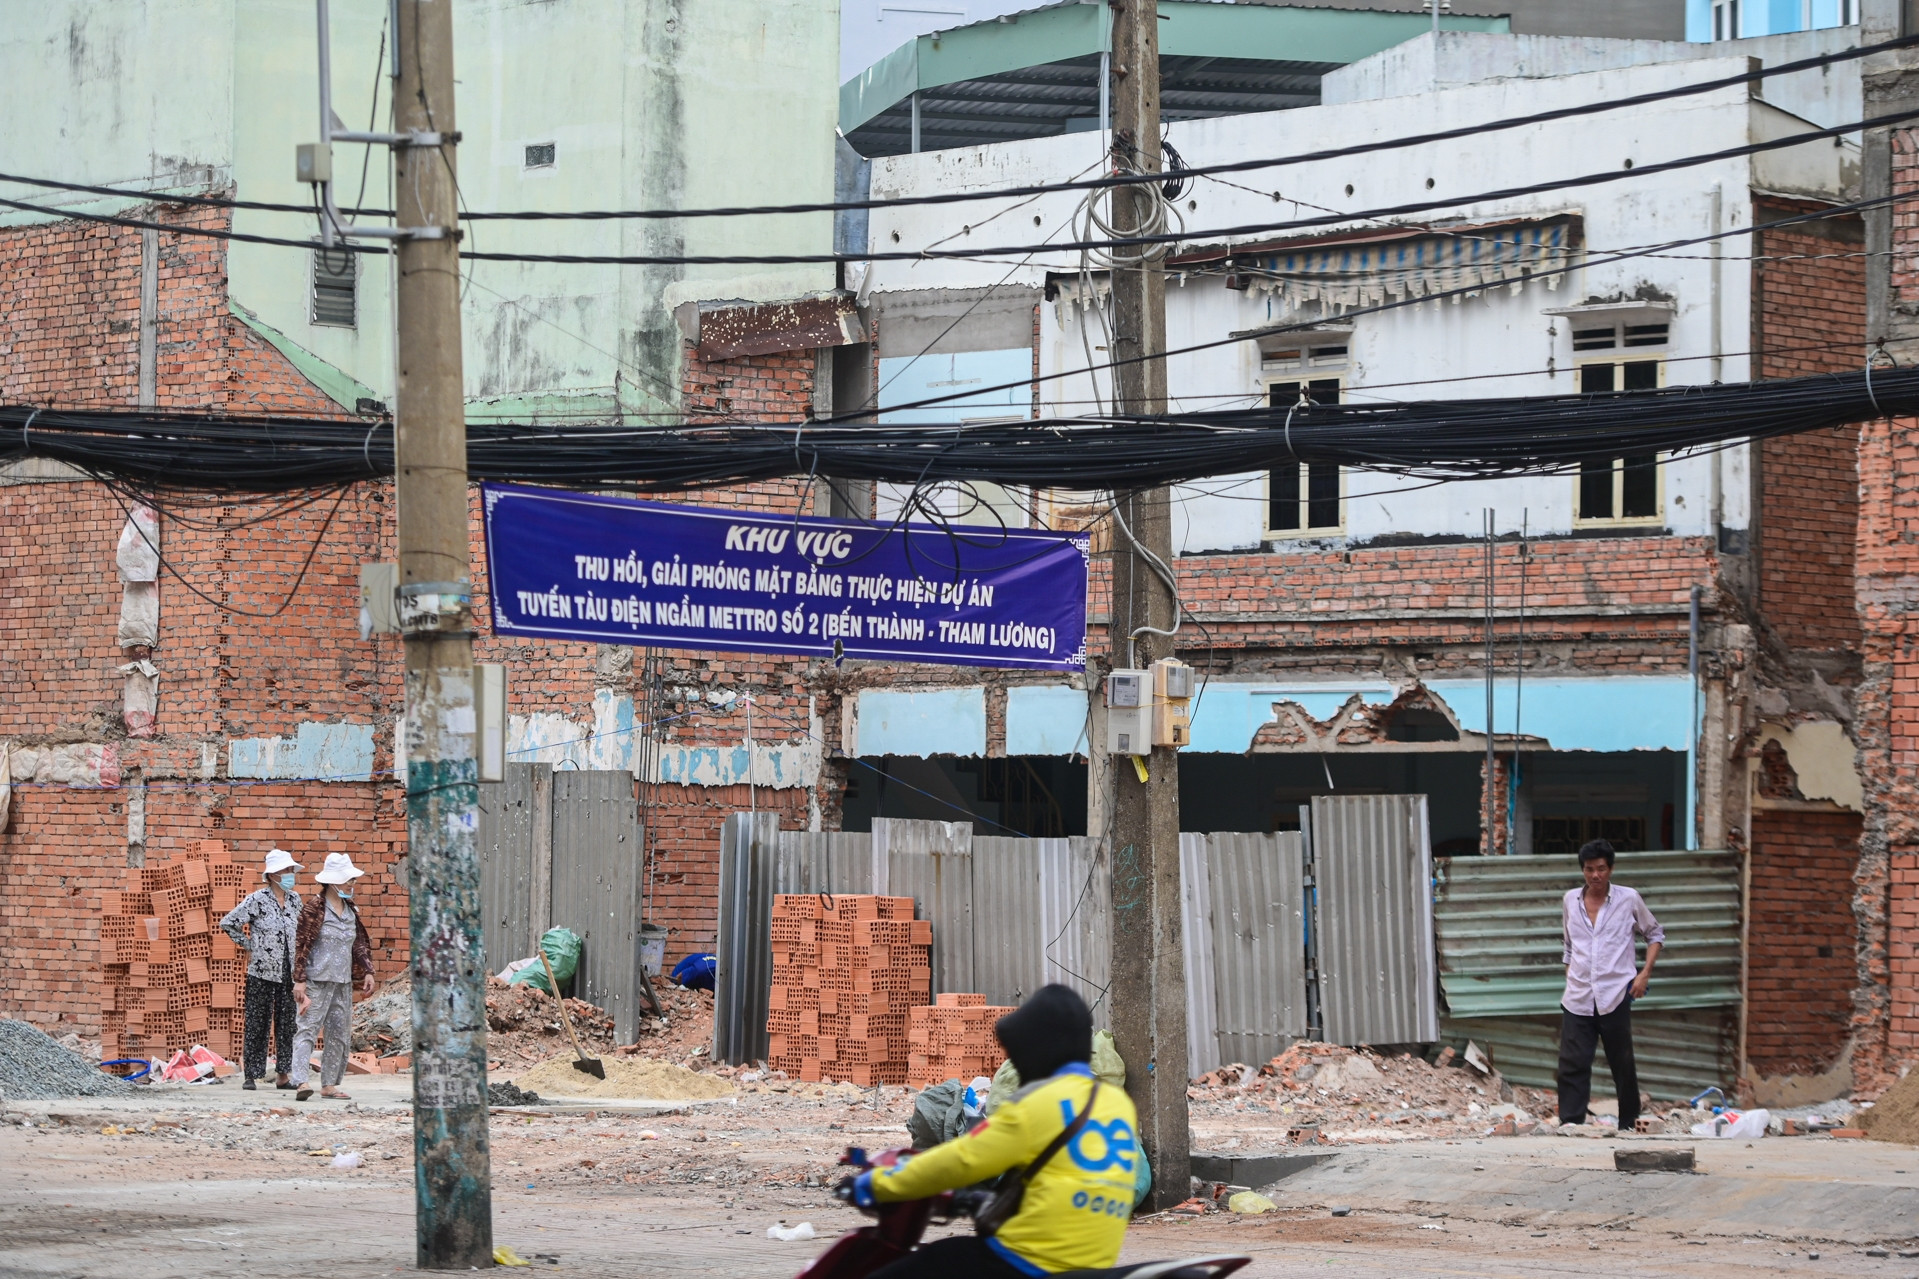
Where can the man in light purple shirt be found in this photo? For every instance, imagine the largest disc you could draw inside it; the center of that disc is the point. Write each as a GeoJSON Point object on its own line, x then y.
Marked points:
{"type": "Point", "coordinates": [1600, 922]}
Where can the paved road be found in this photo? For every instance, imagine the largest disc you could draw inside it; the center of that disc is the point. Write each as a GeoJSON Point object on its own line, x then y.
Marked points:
{"type": "Point", "coordinates": [238, 1193]}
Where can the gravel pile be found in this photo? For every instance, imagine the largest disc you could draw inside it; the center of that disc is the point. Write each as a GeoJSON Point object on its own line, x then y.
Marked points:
{"type": "Point", "coordinates": [35, 1068]}
{"type": "Point", "coordinates": [508, 1094]}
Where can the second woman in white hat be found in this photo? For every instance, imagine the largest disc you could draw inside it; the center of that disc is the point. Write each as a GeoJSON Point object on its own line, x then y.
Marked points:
{"type": "Point", "coordinates": [331, 954]}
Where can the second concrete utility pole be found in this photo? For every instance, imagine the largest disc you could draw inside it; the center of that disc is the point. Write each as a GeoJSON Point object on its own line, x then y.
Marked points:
{"type": "Point", "coordinates": [453, 1182]}
{"type": "Point", "coordinates": [1148, 992]}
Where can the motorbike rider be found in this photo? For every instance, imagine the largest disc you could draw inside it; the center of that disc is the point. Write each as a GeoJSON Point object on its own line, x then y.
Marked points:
{"type": "Point", "coordinates": [1075, 1209]}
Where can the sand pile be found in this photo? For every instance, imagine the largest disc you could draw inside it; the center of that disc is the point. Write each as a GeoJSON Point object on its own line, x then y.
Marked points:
{"type": "Point", "coordinates": [1895, 1116]}
{"type": "Point", "coordinates": [626, 1077]}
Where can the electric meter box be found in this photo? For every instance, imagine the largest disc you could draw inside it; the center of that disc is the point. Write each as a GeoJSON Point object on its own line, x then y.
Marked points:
{"type": "Point", "coordinates": [1129, 730]}
{"type": "Point", "coordinates": [1171, 727]}
{"type": "Point", "coordinates": [1126, 688]}
{"type": "Point", "coordinates": [1172, 680]}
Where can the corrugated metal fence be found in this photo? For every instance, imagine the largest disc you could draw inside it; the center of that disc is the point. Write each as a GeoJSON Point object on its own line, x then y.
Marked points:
{"type": "Point", "coordinates": [1010, 915]}
{"type": "Point", "coordinates": [561, 847]}
{"type": "Point", "coordinates": [1372, 865]}
{"type": "Point", "coordinates": [1499, 944]}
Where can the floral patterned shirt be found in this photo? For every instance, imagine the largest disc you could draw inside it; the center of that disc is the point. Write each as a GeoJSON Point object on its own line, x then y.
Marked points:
{"type": "Point", "coordinates": [272, 923]}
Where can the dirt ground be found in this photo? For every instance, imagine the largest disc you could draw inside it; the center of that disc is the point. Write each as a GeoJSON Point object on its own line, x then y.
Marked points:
{"type": "Point", "coordinates": [185, 1182]}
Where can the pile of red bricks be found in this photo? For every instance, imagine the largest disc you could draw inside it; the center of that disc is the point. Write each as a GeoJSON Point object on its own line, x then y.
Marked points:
{"type": "Point", "coordinates": [953, 1039]}
{"type": "Point", "coordinates": [169, 977]}
{"type": "Point", "coordinates": [846, 971]}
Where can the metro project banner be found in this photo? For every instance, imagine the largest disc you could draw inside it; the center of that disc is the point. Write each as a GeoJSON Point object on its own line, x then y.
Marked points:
{"type": "Point", "coordinates": [614, 570]}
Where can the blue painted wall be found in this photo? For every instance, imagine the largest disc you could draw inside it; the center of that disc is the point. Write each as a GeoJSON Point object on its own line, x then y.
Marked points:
{"type": "Point", "coordinates": [934, 721]}
{"type": "Point", "coordinates": [1045, 719]}
{"type": "Point", "coordinates": [907, 379]}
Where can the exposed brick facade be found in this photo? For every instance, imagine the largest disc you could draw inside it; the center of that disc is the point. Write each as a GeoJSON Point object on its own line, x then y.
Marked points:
{"type": "Point", "coordinates": [1886, 720]}
{"type": "Point", "coordinates": [1807, 283]}
{"type": "Point", "coordinates": [1802, 940]}
{"type": "Point", "coordinates": [69, 336]}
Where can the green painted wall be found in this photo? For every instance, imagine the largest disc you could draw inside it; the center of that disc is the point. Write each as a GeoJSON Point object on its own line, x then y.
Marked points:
{"type": "Point", "coordinates": [676, 103]}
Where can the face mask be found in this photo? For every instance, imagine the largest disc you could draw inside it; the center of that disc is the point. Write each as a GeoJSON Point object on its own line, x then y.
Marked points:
{"type": "Point", "coordinates": [286, 881]}
{"type": "Point", "coordinates": [345, 893]}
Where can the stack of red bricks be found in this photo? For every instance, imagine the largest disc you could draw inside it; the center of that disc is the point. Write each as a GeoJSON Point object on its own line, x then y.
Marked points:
{"type": "Point", "coordinates": [953, 1039]}
{"type": "Point", "coordinates": [846, 970]}
{"type": "Point", "coordinates": [170, 978]}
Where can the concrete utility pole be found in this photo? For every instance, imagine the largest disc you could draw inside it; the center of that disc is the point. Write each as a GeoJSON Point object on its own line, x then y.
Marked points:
{"type": "Point", "coordinates": [1148, 993]}
{"type": "Point", "coordinates": [453, 1180]}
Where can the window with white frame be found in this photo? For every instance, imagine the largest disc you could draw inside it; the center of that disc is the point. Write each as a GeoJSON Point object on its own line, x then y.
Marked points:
{"type": "Point", "coordinates": [1614, 355]}
{"type": "Point", "coordinates": [1725, 19]}
{"type": "Point", "coordinates": [1304, 499]}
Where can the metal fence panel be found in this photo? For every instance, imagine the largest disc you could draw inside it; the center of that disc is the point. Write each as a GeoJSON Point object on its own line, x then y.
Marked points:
{"type": "Point", "coordinates": [1259, 943]}
{"type": "Point", "coordinates": [596, 887]}
{"type": "Point", "coordinates": [1373, 866]}
{"type": "Point", "coordinates": [1500, 933]}
{"type": "Point", "coordinates": [1678, 1052]}
{"type": "Point", "coordinates": [749, 849]}
{"type": "Point", "coordinates": [1196, 946]}
{"type": "Point", "coordinates": [1076, 920]}
{"type": "Point", "coordinates": [1007, 941]}
{"type": "Point", "coordinates": [826, 862]}
{"type": "Point", "coordinates": [506, 842]}
{"type": "Point", "coordinates": [932, 862]}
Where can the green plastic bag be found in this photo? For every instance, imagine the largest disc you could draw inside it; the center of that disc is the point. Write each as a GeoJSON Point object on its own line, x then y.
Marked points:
{"type": "Point", "coordinates": [1107, 1066]}
{"type": "Point", "coordinates": [562, 947]}
{"type": "Point", "coordinates": [1005, 1084]}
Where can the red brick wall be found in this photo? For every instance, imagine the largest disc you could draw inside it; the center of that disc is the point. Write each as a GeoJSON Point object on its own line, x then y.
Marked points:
{"type": "Point", "coordinates": [1886, 705]}
{"type": "Point", "coordinates": [1802, 947]}
{"type": "Point", "coordinates": [69, 335]}
{"type": "Point", "coordinates": [1577, 589]}
{"type": "Point", "coordinates": [1809, 317]}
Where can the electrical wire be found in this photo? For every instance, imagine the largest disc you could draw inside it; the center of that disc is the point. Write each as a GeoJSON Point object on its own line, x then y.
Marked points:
{"type": "Point", "coordinates": [1168, 177]}
{"type": "Point", "coordinates": [1601, 178]}
{"type": "Point", "coordinates": [180, 453]}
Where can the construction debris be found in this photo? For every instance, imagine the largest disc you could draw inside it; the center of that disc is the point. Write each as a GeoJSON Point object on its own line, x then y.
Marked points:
{"type": "Point", "coordinates": [953, 1039]}
{"type": "Point", "coordinates": [1322, 1092]}
{"type": "Point", "coordinates": [846, 970]}
{"type": "Point", "coordinates": [626, 1077]}
{"type": "Point", "coordinates": [170, 978]}
{"type": "Point", "coordinates": [35, 1068]}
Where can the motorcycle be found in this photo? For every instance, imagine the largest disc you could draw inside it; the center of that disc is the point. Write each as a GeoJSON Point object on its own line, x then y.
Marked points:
{"type": "Point", "coordinates": [898, 1228]}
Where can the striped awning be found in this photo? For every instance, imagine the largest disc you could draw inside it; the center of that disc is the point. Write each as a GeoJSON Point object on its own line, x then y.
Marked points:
{"type": "Point", "coordinates": [1342, 276]}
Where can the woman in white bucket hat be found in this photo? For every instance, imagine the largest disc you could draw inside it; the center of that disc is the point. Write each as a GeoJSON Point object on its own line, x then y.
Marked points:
{"type": "Point", "coordinates": [331, 952]}
{"type": "Point", "coordinates": [270, 917]}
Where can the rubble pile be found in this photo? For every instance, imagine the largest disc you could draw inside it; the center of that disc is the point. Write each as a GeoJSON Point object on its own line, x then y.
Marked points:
{"type": "Point", "coordinates": [953, 1039]}
{"type": "Point", "coordinates": [1322, 1091]}
{"type": "Point", "coordinates": [686, 1029]}
{"type": "Point", "coordinates": [170, 978]}
{"type": "Point", "coordinates": [846, 969]}
{"type": "Point", "coordinates": [524, 1022]}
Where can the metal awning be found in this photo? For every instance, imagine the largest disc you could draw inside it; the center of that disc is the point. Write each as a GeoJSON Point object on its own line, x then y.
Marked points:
{"type": "Point", "coordinates": [1037, 73]}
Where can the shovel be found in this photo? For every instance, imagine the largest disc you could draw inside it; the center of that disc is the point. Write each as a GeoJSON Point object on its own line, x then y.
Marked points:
{"type": "Point", "coordinates": [584, 1064]}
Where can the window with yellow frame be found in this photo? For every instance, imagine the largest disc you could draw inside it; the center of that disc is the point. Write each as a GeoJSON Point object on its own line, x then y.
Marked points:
{"type": "Point", "coordinates": [1623, 490]}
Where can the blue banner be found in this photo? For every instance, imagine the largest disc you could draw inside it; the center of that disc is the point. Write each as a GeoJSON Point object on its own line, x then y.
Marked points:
{"type": "Point", "coordinates": [612, 570]}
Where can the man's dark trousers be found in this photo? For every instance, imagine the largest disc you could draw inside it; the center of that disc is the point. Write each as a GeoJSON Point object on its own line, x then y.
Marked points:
{"type": "Point", "coordinates": [1579, 1035]}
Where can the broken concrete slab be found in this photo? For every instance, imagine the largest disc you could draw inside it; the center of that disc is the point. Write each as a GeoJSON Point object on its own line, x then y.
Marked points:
{"type": "Point", "coordinates": [1643, 1159]}
{"type": "Point", "coordinates": [1252, 1169]}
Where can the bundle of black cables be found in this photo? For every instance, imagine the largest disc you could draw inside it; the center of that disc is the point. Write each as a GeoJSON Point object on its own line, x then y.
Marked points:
{"type": "Point", "coordinates": [217, 457]}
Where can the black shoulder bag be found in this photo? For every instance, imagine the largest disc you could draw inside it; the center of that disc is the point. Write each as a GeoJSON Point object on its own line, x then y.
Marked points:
{"type": "Point", "coordinates": [1012, 1188]}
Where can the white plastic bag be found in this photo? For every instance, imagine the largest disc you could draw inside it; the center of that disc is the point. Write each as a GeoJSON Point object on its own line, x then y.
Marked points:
{"type": "Point", "coordinates": [347, 1159]}
{"type": "Point", "coordinates": [790, 1234]}
{"type": "Point", "coordinates": [1739, 1125]}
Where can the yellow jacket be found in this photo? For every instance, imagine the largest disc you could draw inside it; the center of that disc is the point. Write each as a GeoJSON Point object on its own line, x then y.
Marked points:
{"type": "Point", "coordinates": [1076, 1207]}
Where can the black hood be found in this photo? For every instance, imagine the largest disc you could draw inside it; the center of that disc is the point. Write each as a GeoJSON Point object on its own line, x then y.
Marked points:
{"type": "Point", "coordinates": [1051, 1029]}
